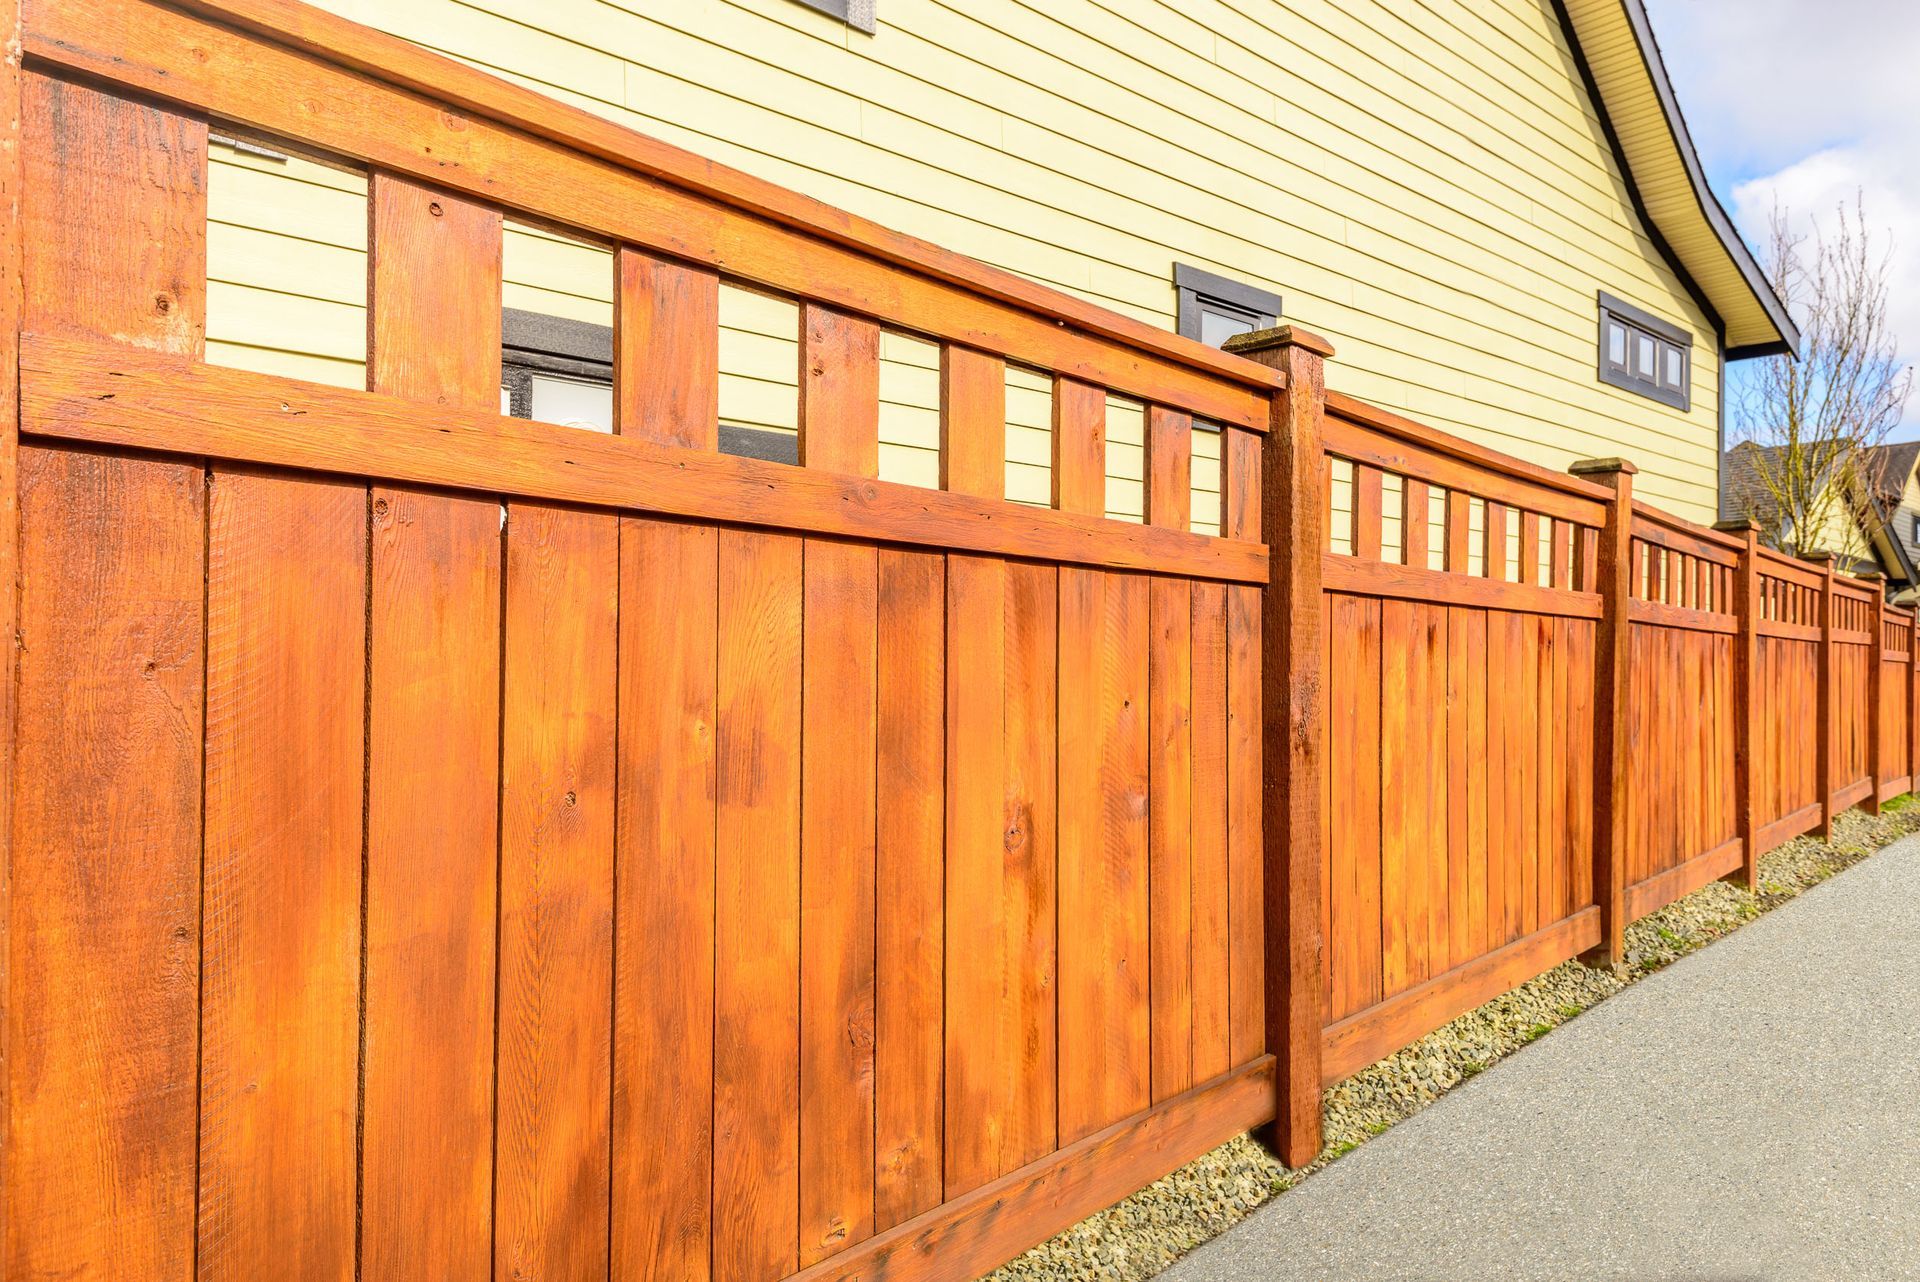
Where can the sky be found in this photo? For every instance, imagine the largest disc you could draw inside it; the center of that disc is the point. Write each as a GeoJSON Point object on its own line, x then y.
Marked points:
{"type": "Point", "coordinates": [1807, 101]}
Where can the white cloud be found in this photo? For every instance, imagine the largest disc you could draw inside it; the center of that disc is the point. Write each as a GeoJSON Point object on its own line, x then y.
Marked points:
{"type": "Point", "coordinates": [1803, 103]}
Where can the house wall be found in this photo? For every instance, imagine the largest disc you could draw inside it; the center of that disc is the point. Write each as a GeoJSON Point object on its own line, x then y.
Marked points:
{"type": "Point", "coordinates": [1430, 188]}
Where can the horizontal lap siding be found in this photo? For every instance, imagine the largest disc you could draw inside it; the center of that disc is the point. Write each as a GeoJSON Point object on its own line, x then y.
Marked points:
{"type": "Point", "coordinates": [1459, 759]}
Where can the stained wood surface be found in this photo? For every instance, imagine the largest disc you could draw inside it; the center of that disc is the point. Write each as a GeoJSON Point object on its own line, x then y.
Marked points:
{"type": "Point", "coordinates": [666, 361]}
{"type": "Point", "coordinates": [664, 950]}
{"type": "Point", "coordinates": [104, 918]}
{"type": "Point", "coordinates": [557, 799]}
{"type": "Point", "coordinates": [285, 777]}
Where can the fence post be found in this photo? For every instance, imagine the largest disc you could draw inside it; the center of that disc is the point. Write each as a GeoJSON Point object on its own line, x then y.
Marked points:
{"type": "Point", "coordinates": [1293, 509]}
{"type": "Point", "coordinates": [1746, 704]}
{"type": "Point", "coordinates": [1913, 698]}
{"type": "Point", "coordinates": [1876, 745]}
{"type": "Point", "coordinates": [1610, 748]}
{"type": "Point", "coordinates": [1823, 699]}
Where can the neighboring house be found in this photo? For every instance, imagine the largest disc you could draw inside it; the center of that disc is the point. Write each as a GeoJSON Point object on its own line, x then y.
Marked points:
{"type": "Point", "coordinates": [1491, 207]}
{"type": "Point", "coordinates": [1874, 526]}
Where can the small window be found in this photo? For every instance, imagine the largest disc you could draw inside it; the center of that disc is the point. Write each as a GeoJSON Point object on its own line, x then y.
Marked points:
{"type": "Point", "coordinates": [1214, 308]}
{"type": "Point", "coordinates": [1642, 353]}
{"type": "Point", "coordinates": [1916, 530]}
{"type": "Point", "coordinates": [857, 14]}
{"type": "Point", "coordinates": [557, 370]}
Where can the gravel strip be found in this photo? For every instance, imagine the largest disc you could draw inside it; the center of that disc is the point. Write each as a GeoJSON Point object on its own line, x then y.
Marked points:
{"type": "Point", "coordinates": [1148, 1231]}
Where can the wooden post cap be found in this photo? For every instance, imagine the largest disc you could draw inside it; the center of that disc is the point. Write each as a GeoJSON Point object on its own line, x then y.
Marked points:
{"type": "Point", "coordinates": [1595, 466]}
{"type": "Point", "coordinates": [1737, 525]}
{"type": "Point", "coordinates": [1816, 555]}
{"type": "Point", "coordinates": [1261, 340]}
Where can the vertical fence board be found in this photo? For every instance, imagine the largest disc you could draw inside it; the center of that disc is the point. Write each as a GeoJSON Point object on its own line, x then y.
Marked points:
{"type": "Point", "coordinates": [1028, 837]}
{"type": "Point", "coordinates": [666, 364]}
{"type": "Point", "coordinates": [839, 392]}
{"type": "Point", "coordinates": [286, 583]}
{"type": "Point", "coordinates": [433, 761]}
{"type": "Point", "coordinates": [837, 804]}
{"type": "Point", "coordinates": [756, 1042]}
{"type": "Point", "coordinates": [555, 1045]}
{"type": "Point", "coordinates": [1170, 818]}
{"type": "Point", "coordinates": [909, 881]}
{"type": "Point", "coordinates": [981, 1063]}
{"type": "Point", "coordinates": [662, 1173]}
{"type": "Point", "coordinates": [106, 896]}
{"type": "Point", "coordinates": [1210, 951]}
{"type": "Point", "coordinates": [105, 913]}
{"type": "Point", "coordinates": [1246, 702]}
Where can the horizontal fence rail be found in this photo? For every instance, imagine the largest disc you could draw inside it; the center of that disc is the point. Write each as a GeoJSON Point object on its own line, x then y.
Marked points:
{"type": "Point", "coordinates": [445, 845]}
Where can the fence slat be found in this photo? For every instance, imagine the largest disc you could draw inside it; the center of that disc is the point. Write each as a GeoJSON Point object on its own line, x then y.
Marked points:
{"type": "Point", "coordinates": [104, 912]}
{"type": "Point", "coordinates": [837, 907]}
{"type": "Point", "coordinates": [286, 583]}
{"type": "Point", "coordinates": [973, 422]}
{"type": "Point", "coordinates": [556, 892]}
{"type": "Point", "coordinates": [756, 1043]}
{"type": "Point", "coordinates": [664, 972]}
{"type": "Point", "coordinates": [839, 392]}
{"type": "Point", "coordinates": [433, 335]}
{"type": "Point", "coordinates": [1170, 837]}
{"type": "Point", "coordinates": [1079, 447]}
{"type": "Point", "coordinates": [1209, 833]}
{"type": "Point", "coordinates": [1612, 757]}
{"type": "Point", "coordinates": [909, 880]}
{"type": "Point", "coordinates": [1825, 710]}
{"type": "Point", "coordinates": [666, 363]}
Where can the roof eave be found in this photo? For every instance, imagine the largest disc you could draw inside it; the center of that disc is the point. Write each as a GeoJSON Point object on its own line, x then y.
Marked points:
{"type": "Point", "coordinates": [1785, 338]}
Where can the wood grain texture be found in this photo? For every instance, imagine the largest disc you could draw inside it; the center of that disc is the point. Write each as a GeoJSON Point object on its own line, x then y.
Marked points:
{"type": "Point", "coordinates": [1105, 1019]}
{"type": "Point", "coordinates": [1169, 472]}
{"type": "Point", "coordinates": [1079, 447]}
{"type": "Point", "coordinates": [431, 897]}
{"type": "Point", "coordinates": [285, 762]}
{"type": "Point", "coordinates": [664, 971]}
{"type": "Point", "coordinates": [666, 357]}
{"type": "Point", "coordinates": [837, 906]}
{"type": "Point", "coordinates": [1170, 832]}
{"type": "Point", "coordinates": [106, 895]}
{"type": "Point", "coordinates": [909, 887]}
{"type": "Point", "coordinates": [555, 1040]}
{"type": "Point", "coordinates": [1208, 851]}
{"type": "Point", "coordinates": [235, 415]}
{"type": "Point", "coordinates": [973, 422]}
{"type": "Point", "coordinates": [104, 919]}
{"type": "Point", "coordinates": [431, 904]}
{"type": "Point", "coordinates": [756, 1041]}
{"type": "Point", "coordinates": [839, 392]}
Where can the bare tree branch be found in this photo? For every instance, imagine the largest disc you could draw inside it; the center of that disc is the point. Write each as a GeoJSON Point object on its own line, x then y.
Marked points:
{"type": "Point", "coordinates": [1819, 418]}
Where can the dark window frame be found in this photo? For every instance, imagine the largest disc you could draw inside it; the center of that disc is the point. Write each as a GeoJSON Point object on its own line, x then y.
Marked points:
{"type": "Point", "coordinates": [531, 343]}
{"type": "Point", "coordinates": [1666, 338]}
{"type": "Point", "coordinates": [857, 14]}
{"type": "Point", "coordinates": [1202, 291]}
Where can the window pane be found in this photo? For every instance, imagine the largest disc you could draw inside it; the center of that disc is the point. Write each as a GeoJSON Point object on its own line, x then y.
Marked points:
{"type": "Point", "coordinates": [1643, 353]}
{"type": "Point", "coordinates": [1217, 325]}
{"type": "Point", "coordinates": [572, 403]}
{"type": "Point", "coordinates": [1674, 374]}
{"type": "Point", "coordinates": [1617, 344]}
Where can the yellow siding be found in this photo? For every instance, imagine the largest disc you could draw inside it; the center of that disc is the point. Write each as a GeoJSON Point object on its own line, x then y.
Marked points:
{"type": "Point", "coordinates": [1429, 187]}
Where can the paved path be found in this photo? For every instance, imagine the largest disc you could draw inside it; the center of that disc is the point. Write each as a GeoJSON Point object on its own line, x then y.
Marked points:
{"type": "Point", "coordinates": [1752, 1112]}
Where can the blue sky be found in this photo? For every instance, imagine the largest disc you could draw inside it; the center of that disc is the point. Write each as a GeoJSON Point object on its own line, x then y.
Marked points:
{"type": "Point", "coordinates": [1807, 101]}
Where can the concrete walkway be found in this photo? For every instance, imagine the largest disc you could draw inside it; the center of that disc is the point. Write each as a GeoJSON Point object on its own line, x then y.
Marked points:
{"type": "Point", "coordinates": [1751, 1112]}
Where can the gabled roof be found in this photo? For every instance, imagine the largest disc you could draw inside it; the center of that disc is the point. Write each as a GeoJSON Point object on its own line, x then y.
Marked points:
{"type": "Point", "coordinates": [1892, 465]}
{"type": "Point", "coordinates": [1744, 494]}
{"type": "Point", "coordinates": [1615, 41]}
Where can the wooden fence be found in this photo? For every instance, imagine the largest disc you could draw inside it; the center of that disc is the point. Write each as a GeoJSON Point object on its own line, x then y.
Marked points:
{"type": "Point", "coordinates": [441, 844]}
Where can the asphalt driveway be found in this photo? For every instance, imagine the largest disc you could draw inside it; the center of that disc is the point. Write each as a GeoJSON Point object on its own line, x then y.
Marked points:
{"type": "Point", "coordinates": [1752, 1112]}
